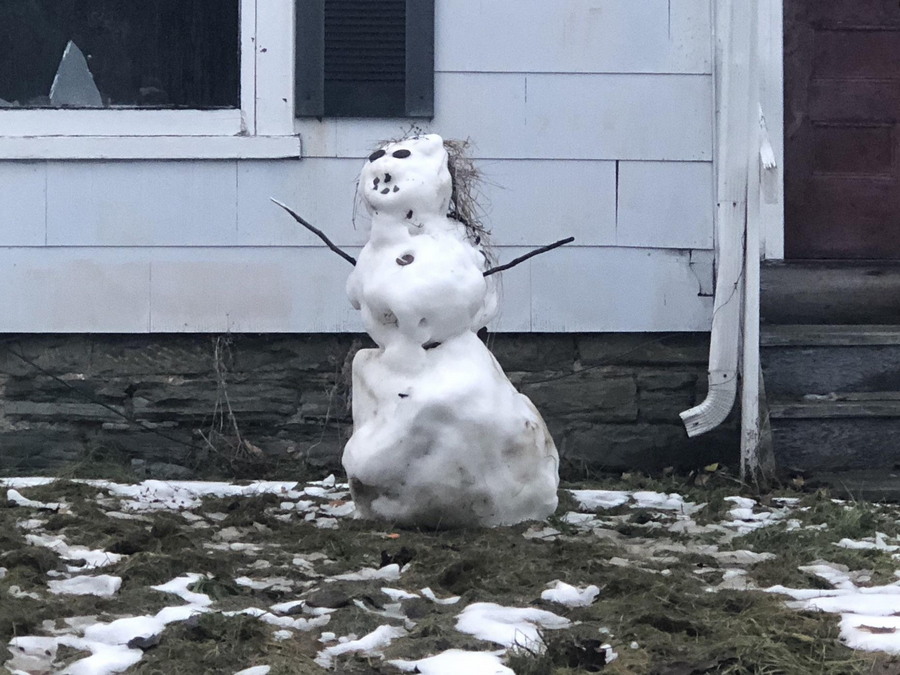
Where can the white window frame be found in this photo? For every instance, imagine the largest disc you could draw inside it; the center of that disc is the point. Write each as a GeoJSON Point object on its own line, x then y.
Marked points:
{"type": "Point", "coordinates": [262, 128]}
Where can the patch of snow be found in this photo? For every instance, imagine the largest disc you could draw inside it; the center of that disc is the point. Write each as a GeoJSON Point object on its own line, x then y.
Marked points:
{"type": "Point", "coordinates": [542, 533]}
{"type": "Point", "coordinates": [741, 557]}
{"type": "Point", "coordinates": [31, 524]}
{"type": "Point", "coordinates": [878, 543]}
{"type": "Point", "coordinates": [509, 626]}
{"type": "Point", "coordinates": [102, 585]}
{"type": "Point", "coordinates": [368, 645]}
{"type": "Point", "coordinates": [153, 495]}
{"type": "Point", "coordinates": [388, 572]}
{"type": "Point", "coordinates": [747, 518]}
{"type": "Point", "coordinates": [236, 546]}
{"type": "Point", "coordinates": [276, 583]}
{"type": "Point", "coordinates": [570, 596]}
{"type": "Point", "coordinates": [836, 575]}
{"type": "Point", "coordinates": [338, 509]}
{"type": "Point", "coordinates": [456, 662]}
{"type": "Point", "coordinates": [17, 592]}
{"type": "Point", "coordinates": [286, 607]}
{"type": "Point", "coordinates": [255, 670]}
{"type": "Point", "coordinates": [300, 623]}
{"type": "Point", "coordinates": [25, 482]}
{"type": "Point", "coordinates": [428, 593]}
{"type": "Point", "coordinates": [580, 519]}
{"type": "Point", "coordinates": [873, 603]}
{"type": "Point", "coordinates": [57, 544]}
{"type": "Point", "coordinates": [329, 481]}
{"type": "Point", "coordinates": [179, 586]}
{"type": "Point", "coordinates": [594, 500]}
{"type": "Point", "coordinates": [397, 594]}
{"type": "Point", "coordinates": [17, 498]}
{"type": "Point", "coordinates": [325, 523]}
{"type": "Point", "coordinates": [663, 502]}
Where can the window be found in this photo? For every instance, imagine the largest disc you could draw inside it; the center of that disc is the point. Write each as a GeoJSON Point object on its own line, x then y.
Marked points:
{"type": "Point", "coordinates": [154, 79]}
{"type": "Point", "coordinates": [151, 54]}
{"type": "Point", "coordinates": [365, 58]}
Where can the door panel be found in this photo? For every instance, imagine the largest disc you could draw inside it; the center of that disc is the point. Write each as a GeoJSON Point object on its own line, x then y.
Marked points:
{"type": "Point", "coordinates": [842, 113]}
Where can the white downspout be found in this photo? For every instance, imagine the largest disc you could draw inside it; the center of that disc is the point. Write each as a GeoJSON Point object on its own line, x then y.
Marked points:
{"type": "Point", "coordinates": [734, 20]}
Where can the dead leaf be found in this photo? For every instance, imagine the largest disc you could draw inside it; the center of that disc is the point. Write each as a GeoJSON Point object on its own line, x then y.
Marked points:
{"type": "Point", "coordinates": [711, 468]}
{"type": "Point", "coordinates": [876, 630]}
{"type": "Point", "coordinates": [253, 449]}
{"type": "Point", "coordinates": [393, 535]}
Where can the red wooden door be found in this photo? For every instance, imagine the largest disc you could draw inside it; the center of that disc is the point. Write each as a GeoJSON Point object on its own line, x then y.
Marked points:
{"type": "Point", "coordinates": [842, 129]}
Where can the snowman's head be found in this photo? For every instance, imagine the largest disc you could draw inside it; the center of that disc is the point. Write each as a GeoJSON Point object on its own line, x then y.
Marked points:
{"type": "Point", "coordinates": [408, 179]}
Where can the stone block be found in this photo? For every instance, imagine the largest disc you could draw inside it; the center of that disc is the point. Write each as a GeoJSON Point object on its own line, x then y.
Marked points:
{"type": "Point", "coordinates": [646, 447]}
{"type": "Point", "coordinates": [130, 355]}
{"type": "Point", "coordinates": [643, 348]}
{"type": "Point", "coordinates": [325, 353]}
{"type": "Point", "coordinates": [52, 353]}
{"type": "Point", "coordinates": [586, 395]}
{"type": "Point", "coordinates": [59, 412]}
{"type": "Point", "coordinates": [39, 450]}
{"type": "Point", "coordinates": [662, 395]}
{"type": "Point", "coordinates": [837, 444]}
{"type": "Point", "coordinates": [533, 352]}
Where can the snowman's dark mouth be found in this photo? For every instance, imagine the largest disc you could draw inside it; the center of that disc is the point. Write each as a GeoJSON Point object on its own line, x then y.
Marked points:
{"type": "Point", "coordinates": [376, 182]}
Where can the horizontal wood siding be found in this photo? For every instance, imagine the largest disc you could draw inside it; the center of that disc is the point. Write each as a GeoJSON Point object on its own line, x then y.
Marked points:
{"type": "Point", "coordinates": [665, 204]}
{"type": "Point", "coordinates": [301, 289]}
{"type": "Point", "coordinates": [23, 190]}
{"type": "Point", "coordinates": [590, 118]}
{"type": "Point", "coordinates": [549, 116]}
{"type": "Point", "coordinates": [621, 289]}
{"type": "Point", "coordinates": [574, 36]}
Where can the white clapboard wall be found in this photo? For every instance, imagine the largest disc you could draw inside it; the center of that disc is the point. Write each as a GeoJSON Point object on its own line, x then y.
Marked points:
{"type": "Point", "coordinates": [590, 118]}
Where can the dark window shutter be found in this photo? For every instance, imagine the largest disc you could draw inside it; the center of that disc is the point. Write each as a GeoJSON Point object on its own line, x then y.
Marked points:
{"type": "Point", "coordinates": [365, 58]}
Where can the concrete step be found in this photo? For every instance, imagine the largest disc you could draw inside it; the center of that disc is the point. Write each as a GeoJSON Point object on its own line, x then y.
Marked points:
{"type": "Point", "coordinates": [835, 442]}
{"type": "Point", "coordinates": [866, 484]}
{"type": "Point", "coordinates": [873, 405]}
{"type": "Point", "coordinates": [830, 292]}
{"type": "Point", "coordinates": [833, 394]}
{"type": "Point", "coordinates": [801, 360]}
{"type": "Point", "coordinates": [829, 335]}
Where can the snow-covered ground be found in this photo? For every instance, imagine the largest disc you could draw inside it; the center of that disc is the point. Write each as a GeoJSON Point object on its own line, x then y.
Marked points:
{"type": "Point", "coordinates": [322, 585]}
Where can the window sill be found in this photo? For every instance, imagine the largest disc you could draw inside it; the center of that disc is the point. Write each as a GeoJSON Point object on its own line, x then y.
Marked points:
{"type": "Point", "coordinates": [36, 148]}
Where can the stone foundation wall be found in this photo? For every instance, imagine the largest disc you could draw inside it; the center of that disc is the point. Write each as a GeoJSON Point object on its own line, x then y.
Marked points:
{"type": "Point", "coordinates": [187, 406]}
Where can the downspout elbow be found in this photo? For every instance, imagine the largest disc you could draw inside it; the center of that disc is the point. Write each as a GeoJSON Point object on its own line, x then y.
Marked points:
{"type": "Point", "coordinates": [715, 407]}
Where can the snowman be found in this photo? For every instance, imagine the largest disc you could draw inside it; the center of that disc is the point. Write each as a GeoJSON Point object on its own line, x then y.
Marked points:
{"type": "Point", "coordinates": [441, 438]}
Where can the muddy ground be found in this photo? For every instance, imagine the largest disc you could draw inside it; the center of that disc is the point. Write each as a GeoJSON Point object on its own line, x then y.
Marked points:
{"type": "Point", "coordinates": [284, 575]}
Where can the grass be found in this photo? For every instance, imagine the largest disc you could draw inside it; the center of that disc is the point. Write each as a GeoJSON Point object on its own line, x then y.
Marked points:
{"type": "Point", "coordinates": [659, 602]}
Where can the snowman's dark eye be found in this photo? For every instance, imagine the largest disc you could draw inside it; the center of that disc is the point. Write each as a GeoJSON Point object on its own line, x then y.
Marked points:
{"type": "Point", "coordinates": [401, 154]}
{"type": "Point", "coordinates": [375, 155]}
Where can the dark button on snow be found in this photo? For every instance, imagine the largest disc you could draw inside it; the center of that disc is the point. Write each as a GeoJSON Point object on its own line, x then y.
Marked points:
{"type": "Point", "coordinates": [401, 154]}
{"type": "Point", "coordinates": [375, 155]}
{"type": "Point", "coordinates": [405, 259]}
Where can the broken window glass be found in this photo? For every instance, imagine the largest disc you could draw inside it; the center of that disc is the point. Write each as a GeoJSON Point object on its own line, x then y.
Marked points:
{"type": "Point", "coordinates": [115, 54]}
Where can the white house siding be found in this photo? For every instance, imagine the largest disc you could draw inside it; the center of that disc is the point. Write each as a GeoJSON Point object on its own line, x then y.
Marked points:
{"type": "Point", "coordinates": [590, 118]}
